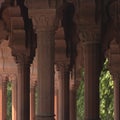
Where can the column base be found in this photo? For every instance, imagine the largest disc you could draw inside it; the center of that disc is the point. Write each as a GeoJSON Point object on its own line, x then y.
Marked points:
{"type": "Point", "coordinates": [45, 117]}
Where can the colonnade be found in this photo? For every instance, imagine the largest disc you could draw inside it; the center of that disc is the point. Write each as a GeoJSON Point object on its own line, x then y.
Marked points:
{"type": "Point", "coordinates": [65, 105]}
{"type": "Point", "coordinates": [23, 98]}
{"type": "Point", "coordinates": [13, 79]}
{"type": "Point", "coordinates": [23, 90]}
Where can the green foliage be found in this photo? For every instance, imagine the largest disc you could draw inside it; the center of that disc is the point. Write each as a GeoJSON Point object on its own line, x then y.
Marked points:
{"type": "Point", "coordinates": [9, 101]}
{"type": "Point", "coordinates": [106, 96]}
{"type": "Point", "coordinates": [80, 98]}
{"type": "Point", "coordinates": [80, 101]}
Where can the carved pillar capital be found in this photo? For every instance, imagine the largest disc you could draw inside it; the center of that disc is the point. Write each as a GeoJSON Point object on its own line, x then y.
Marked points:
{"type": "Point", "coordinates": [113, 10]}
{"type": "Point", "coordinates": [43, 19]}
{"type": "Point", "coordinates": [72, 86]}
{"type": "Point", "coordinates": [62, 66]}
{"type": "Point", "coordinates": [33, 83]}
{"type": "Point", "coordinates": [114, 60]}
{"type": "Point", "coordinates": [73, 80]}
{"type": "Point", "coordinates": [4, 77]}
{"type": "Point", "coordinates": [3, 80]}
{"type": "Point", "coordinates": [13, 77]}
{"type": "Point", "coordinates": [21, 58]}
{"type": "Point", "coordinates": [90, 37]}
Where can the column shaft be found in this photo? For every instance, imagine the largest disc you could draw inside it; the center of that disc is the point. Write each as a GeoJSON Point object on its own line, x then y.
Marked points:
{"type": "Point", "coordinates": [72, 103]}
{"type": "Point", "coordinates": [3, 99]}
{"type": "Point", "coordinates": [14, 99]}
{"type": "Point", "coordinates": [60, 97]}
{"type": "Point", "coordinates": [64, 94]}
{"type": "Point", "coordinates": [56, 105]}
{"type": "Point", "coordinates": [117, 99]}
{"type": "Point", "coordinates": [92, 65]}
{"type": "Point", "coordinates": [23, 94]}
{"type": "Point", "coordinates": [45, 75]}
{"type": "Point", "coordinates": [32, 103]}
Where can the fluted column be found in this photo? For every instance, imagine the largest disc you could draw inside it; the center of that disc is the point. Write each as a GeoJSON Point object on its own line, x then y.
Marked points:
{"type": "Point", "coordinates": [72, 102]}
{"type": "Point", "coordinates": [3, 97]}
{"type": "Point", "coordinates": [14, 97]}
{"type": "Point", "coordinates": [43, 21]}
{"type": "Point", "coordinates": [92, 65]}
{"type": "Point", "coordinates": [63, 91]}
{"type": "Point", "coordinates": [32, 100]}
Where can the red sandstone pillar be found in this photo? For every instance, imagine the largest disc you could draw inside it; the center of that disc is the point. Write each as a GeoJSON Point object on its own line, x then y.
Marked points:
{"type": "Point", "coordinates": [63, 92]}
{"type": "Point", "coordinates": [92, 67]}
{"type": "Point", "coordinates": [56, 105]}
{"type": "Point", "coordinates": [114, 67]}
{"type": "Point", "coordinates": [43, 21]}
{"type": "Point", "coordinates": [117, 96]}
{"type": "Point", "coordinates": [3, 98]}
{"type": "Point", "coordinates": [56, 95]}
{"type": "Point", "coordinates": [45, 76]}
{"type": "Point", "coordinates": [32, 100]}
{"type": "Point", "coordinates": [23, 91]}
{"type": "Point", "coordinates": [72, 102]}
{"type": "Point", "coordinates": [14, 97]}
